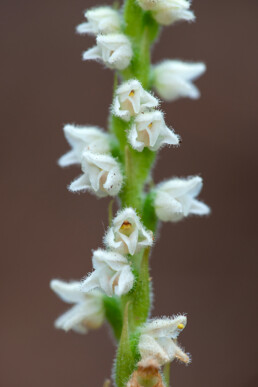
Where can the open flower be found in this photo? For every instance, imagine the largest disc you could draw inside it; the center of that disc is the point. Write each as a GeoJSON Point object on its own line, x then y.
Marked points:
{"type": "Point", "coordinates": [127, 234]}
{"type": "Point", "coordinates": [149, 130]}
{"type": "Point", "coordinates": [88, 311]}
{"type": "Point", "coordinates": [114, 50]}
{"type": "Point", "coordinates": [101, 20]}
{"type": "Point", "coordinates": [158, 340]}
{"type": "Point", "coordinates": [82, 138]}
{"type": "Point", "coordinates": [172, 79]}
{"type": "Point", "coordinates": [101, 175]}
{"type": "Point", "coordinates": [175, 199]}
{"type": "Point", "coordinates": [167, 12]}
{"type": "Point", "coordinates": [112, 274]}
{"type": "Point", "coordinates": [131, 99]}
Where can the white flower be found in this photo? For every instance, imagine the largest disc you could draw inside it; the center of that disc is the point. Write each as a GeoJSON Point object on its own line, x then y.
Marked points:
{"type": "Point", "coordinates": [127, 234]}
{"type": "Point", "coordinates": [158, 340]}
{"type": "Point", "coordinates": [101, 175]}
{"type": "Point", "coordinates": [114, 50]}
{"type": "Point", "coordinates": [112, 274]}
{"type": "Point", "coordinates": [88, 311]}
{"type": "Point", "coordinates": [167, 12]}
{"type": "Point", "coordinates": [101, 20]}
{"type": "Point", "coordinates": [149, 130]}
{"type": "Point", "coordinates": [83, 138]}
{"type": "Point", "coordinates": [131, 99]}
{"type": "Point", "coordinates": [148, 4]}
{"type": "Point", "coordinates": [173, 79]}
{"type": "Point", "coordinates": [175, 199]}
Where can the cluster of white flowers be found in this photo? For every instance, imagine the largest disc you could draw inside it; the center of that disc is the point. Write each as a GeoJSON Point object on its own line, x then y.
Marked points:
{"type": "Point", "coordinates": [90, 148]}
{"type": "Point", "coordinates": [148, 128]}
{"type": "Point", "coordinates": [167, 12]}
{"type": "Point", "coordinates": [112, 274]}
{"type": "Point", "coordinates": [113, 48]}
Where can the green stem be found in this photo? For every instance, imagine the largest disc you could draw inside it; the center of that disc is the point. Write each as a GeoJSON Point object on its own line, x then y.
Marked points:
{"type": "Point", "coordinates": [166, 373]}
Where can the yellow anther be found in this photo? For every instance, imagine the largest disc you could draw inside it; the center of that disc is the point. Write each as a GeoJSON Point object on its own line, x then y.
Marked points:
{"type": "Point", "coordinates": [126, 228]}
{"type": "Point", "coordinates": [180, 326]}
{"type": "Point", "coordinates": [131, 94]}
{"type": "Point", "coordinates": [150, 125]}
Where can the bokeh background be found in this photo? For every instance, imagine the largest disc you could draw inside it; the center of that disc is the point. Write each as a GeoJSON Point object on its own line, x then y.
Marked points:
{"type": "Point", "coordinates": [205, 267]}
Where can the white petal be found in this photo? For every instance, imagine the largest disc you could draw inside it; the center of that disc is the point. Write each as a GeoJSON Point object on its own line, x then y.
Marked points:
{"type": "Point", "coordinates": [93, 53]}
{"type": "Point", "coordinates": [91, 282]}
{"type": "Point", "coordinates": [150, 348]}
{"type": "Point", "coordinates": [69, 158]}
{"type": "Point", "coordinates": [67, 291]}
{"type": "Point", "coordinates": [79, 184]}
{"type": "Point", "coordinates": [165, 327]}
{"type": "Point", "coordinates": [72, 319]}
{"type": "Point", "coordinates": [199, 208]}
{"type": "Point", "coordinates": [125, 282]}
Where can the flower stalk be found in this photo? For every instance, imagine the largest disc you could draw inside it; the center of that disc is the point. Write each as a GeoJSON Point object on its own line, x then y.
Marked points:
{"type": "Point", "coordinates": [119, 164]}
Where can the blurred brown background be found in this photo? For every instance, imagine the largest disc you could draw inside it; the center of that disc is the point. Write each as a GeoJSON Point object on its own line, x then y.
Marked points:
{"type": "Point", "coordinates": [205, 267]}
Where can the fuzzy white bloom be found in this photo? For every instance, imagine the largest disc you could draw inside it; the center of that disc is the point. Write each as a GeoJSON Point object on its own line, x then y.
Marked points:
{"type": "Point", "coordinates": [82, 138]}
{"type": "Point", "coordinates": [88, 311]}
{"type": "Point", "coordinates": [101, 20]}
{"type": "Point", "coordinates": [101, 175]}
{"type": "Point", "coordinates": [173, 79]}
{"type": "Point", "coordinates": [175, 199]}
{"type": "Point", "coordinates": [131, 99]}
{"type": "Point", "coordinates": [148, 4]}
{"type": "Point", "coordinates": [112, 274]}
{"type": "Point", "coordinates": [167, 12]}
{"type": "Point", "coordinates": [114, 50]}
{"type": "Point", "coordinates": [149, 130]}
{"type": "Point", "coordinates": [158, 340]}
{"type": "Point", "coordinates": [127, 234]}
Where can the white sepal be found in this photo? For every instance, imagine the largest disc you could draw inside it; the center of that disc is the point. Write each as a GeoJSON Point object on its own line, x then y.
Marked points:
{"type": "Point", "coordinates": [157, 340]}
{"type": "Point", "coordinates": [149, 130]}
{"type": "Point", "coordinates": [167, 12]}
{"type": "Point", "coordinates": [88, 311]}
{"type": "Point", "coordinates": [114, 50]}
{"type": "Point", "coordinates": [101, 175]}
{"type": "Point", "coordinates": [101, 20]}
{"type": "Point", "coordinates": [82, 138]}
{"type": "Point", "coordinates": [173, 79]}
{"type": "Point", "coordinates": [148, 5]}
{"type": "Point", "coordinates": [131, 99]}
{"type": "Point", "coordinates": [112, 273]}
{"type": "Point", "coordinates": [175, 199]}
{"type": "Point", "coordinates": [127, 235]}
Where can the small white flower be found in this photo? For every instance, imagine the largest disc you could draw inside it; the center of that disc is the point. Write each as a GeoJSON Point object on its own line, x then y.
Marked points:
{"type": "Point", "coordinates": [114, 50]}
{"type": "Point", "coordinates": [101, 175]}
{"type": "Point", "coordinates": [148, 4]}
{"type": "Point", "coordinates": [175, 199]}
{"type": "Point", "coordinates": [158, 340]}
{"type": "Point", "coordinates": [101, 20]}
{"type": "Point", "coordinates": [173, 79]}
{"type": "Point", "coordinates": [112, 274]}
{"type": "Point", "coordinates": [149, 130]}
{"type": "Point", "coordinates": [127, 234]}
{"type": "Point", "coordinates": [88, 311]}
{"type": "Point", "coordinates": [83, 138]}
{"type": "Point", "coordinates": [131, 99]}
{"type": "Point", "coordinates": [167, 12]}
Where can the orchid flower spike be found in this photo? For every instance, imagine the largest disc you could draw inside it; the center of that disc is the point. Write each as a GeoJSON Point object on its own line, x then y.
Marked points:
{"type": "Point", "coordinates": [88, 311]}
{"type": "Point", "coordinates": [101, 175]}
{"type": "Point", "coordinates": [114, 50]}
{"type": "Point", "coordinates": [172, 79]}
{"type": "Point", "coordinates": [131, 99]}
{"type": "Point", "coordinates": [175, 199]}
{"type": "Point", "coordinates": [127, 235]}
{"type": "Point", "coordinates": [101, 20]}
{"type": "Point", "coordinates": [149, 130]}
{"type": "Point", "coordinates": [158, 340]}
{"type": "Point", "coordinates": [82, 138]}
{"type": "Point", "coordinates": [167, 12]}
{"type": "Point", "coordinates": [112, 274]}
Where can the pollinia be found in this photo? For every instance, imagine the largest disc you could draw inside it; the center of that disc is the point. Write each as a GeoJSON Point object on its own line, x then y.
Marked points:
{"type": "Point", "coordinates": [117, 162]}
